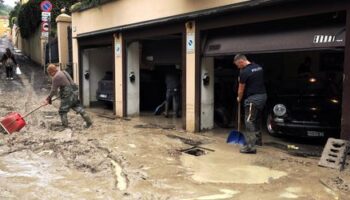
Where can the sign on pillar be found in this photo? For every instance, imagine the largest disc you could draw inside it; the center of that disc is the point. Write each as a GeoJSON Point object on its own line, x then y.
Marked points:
{"type": "Point", "coordinates": [190, 42]}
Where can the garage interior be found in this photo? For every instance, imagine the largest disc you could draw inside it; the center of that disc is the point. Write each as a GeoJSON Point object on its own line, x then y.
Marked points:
{"type": "Point", "coordinates": [97, 77]}
{"type": "Point", "coordinates": [287, 52]}
{"type": "Point", "coordinates": [158, 57]}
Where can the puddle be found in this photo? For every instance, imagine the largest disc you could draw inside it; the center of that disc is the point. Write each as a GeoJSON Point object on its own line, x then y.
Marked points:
{"type": "Point", "coordinates": [291, 193]}
{"type": "Point", "coordinates": [32, 169]}
{"type": "Point", "coordinates": [26, 175]}
{"type": "Point", "coordinates": [205, 169]}
{"type": "Point", "coordinates": [226, 194]}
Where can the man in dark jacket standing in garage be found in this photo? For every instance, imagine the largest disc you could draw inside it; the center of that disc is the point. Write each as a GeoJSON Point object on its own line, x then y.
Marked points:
{"type": "Point", "coordinates": [251, 87]}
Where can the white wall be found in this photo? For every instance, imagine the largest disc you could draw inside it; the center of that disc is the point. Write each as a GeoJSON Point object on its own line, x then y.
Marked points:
{"type": "Point", "coordinates": [97, 61]}
{"type": "Point", "coordinates": [119, 13]}
{"type": "Point", "coordinates": [207, 95]}
{"type": "Point", "coordinates": [133, 89]}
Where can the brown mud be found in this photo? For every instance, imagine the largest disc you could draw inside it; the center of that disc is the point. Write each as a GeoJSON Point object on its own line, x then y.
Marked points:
{"type": "Point", "coordinates": [142, 158]}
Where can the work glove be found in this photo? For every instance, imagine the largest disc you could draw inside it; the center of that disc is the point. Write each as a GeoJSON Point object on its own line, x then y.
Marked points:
{"type": "Point", "coordinates": [49, 100]}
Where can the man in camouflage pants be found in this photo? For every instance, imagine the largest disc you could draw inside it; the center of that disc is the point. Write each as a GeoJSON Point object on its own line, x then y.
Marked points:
{"type": "Point", "coordinates": [68, 94]}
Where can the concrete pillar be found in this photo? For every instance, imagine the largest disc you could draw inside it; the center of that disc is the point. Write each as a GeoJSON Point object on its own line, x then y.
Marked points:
{"type": "Point", "coordinates": [133, 79]}
{"type": "Point", "coordinates": [207, 94]}
{"type": "Point", "coordinates": [345, 123]}
{"type": "Point", "coordinates": [63, 22]}
{"type": "Point", "coordinates": [76, 63]}
{"type": "Point", "coordinates": [119, 76]}
{"type": "Point", "coordinates": [43, 42]}
{"type": "Point", "coordinates": [85, 62]}
{"type": "Point", "coordinates": [192, 71]}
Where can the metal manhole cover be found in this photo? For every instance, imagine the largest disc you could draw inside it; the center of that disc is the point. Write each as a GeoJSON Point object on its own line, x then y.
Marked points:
{"type": "Point", "coordinates": [197, 151]}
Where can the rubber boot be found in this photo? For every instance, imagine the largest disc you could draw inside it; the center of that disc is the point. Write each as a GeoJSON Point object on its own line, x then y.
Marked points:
{"type": "Point", "coordinates": [87, 119]}
{"type": "Point", "coordinates": [64, 120]}
{"type": "Point", "coordinates": [249, 147]}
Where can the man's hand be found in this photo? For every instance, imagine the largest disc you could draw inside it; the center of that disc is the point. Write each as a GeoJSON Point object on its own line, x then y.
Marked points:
{"type": "Point", "coordinates": [48, 100]}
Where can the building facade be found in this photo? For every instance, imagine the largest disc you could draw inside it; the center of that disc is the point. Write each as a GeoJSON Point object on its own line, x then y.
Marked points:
{"type": "Point", "coordinates": [139, 42]}
{"type": "Point", "coordinates": [4, 26]}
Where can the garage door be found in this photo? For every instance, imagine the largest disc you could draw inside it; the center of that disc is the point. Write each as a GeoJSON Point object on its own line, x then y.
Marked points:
{"type": "Point", "coordinates": [277, 40]}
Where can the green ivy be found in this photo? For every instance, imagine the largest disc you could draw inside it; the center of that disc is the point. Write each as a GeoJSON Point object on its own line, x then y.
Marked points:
{"type": "Point", "coordinates": [86, 4]}
{"type": "Point", "coordinates": [29, 15]}
{"type": "Point", "coordinates": [29, 18]}
{"type": "Point", "coordinates": [13, 15]}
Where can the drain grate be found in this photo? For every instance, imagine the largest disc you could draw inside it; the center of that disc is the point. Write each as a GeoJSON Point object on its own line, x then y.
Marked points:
{"type": "Point", "coordinates": [334, 154]}
{"type": "Point", "coordinates": [197, 151]}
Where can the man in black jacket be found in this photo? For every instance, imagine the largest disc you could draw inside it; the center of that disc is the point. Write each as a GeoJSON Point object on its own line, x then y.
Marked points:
{"type": "Point", "coordinates": [8, 59]}
{"type": "Point", "coordinates": [251, 87]}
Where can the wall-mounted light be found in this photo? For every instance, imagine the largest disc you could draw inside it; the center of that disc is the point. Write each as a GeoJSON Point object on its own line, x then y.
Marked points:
{"type": "Point", "coordinates": [132, 77]}
{"type": "Point", "coordinates": [87, 75]}
{"type": "Point", "coordinates": [206, 79]}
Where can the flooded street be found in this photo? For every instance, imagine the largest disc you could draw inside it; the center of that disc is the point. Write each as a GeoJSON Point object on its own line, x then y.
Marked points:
{"type": "Point", "coordinates": [140, 158]}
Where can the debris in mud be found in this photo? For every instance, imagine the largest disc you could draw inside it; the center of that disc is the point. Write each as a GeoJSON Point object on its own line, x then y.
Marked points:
{"type": "Point", "coordinates": [8, 108]}
{"type": "Point", "coordinates": [294, 150]}
{"type": "Point", "coordinates": [186, 140]}
{"type": "Point", "coordinates": [298, 161]}
{"type": "Point", "coordinates": [82, 155]}
{"type": "Point", "coordinates": [169, 127]}
{"type": "Point", "coordinates": [336, 184]}
{"type": "Point", "coordinates": [108, 116]}
{"type": "Point", "coordinates": [174, 153]}
{"type": "Point", "coordinates": [121, 182]}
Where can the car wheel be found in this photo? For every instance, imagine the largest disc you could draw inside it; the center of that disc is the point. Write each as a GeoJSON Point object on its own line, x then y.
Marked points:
{"type": "Point", "coordinates": [269, 126]}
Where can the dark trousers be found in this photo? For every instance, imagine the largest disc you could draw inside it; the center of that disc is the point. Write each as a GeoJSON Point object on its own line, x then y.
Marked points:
{"type": "Point", "coordinates": [253, 108]}
{"type": "Point", "coordinates": [9, 72]}
{"type": "Point", "coordinates": [172, 95]}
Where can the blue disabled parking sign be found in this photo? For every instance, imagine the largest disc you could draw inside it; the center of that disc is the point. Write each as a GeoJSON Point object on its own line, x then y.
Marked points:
{"type": "Point", "coordinates": [46, 6]}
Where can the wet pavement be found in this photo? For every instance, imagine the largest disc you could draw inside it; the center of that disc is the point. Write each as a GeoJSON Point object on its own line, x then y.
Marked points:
{"type": "Point", "coordinates": [140, 158]}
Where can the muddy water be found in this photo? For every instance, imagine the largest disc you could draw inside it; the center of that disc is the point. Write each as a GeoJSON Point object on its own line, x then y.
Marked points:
{"type": "Point", "coordinates": [136, 159]}
{"type": "Point", "coordinates": [30, 176]}
{"type": "Point", "coordinates": [205, 169]}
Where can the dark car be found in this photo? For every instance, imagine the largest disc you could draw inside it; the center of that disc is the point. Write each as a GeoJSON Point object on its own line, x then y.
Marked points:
{"type": "Point", "coordinates": [306, 107]}
{"type": "Point", "coordinates": [105, 90]}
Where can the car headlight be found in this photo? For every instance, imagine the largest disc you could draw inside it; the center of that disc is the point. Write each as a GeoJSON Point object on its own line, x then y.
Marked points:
{"type": "Point", "coordinates": [279, 110]}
